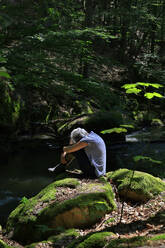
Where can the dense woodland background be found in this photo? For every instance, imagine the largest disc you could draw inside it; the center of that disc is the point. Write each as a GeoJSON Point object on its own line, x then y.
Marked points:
{"type": "Point", "coordinates": [98, 64]}
{"type": "Point", "coordinates": [62, 60]}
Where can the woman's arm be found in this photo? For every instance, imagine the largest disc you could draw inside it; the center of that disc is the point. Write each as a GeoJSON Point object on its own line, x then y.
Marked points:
{"type": "Point", "coordinates": [71, 148]}
{"type": "Point", "coordinates": [75, 147]}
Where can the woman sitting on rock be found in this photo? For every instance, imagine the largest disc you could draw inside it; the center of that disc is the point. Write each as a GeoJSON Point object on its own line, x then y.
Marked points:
{"type": "Point", "coordinates": [89, 150]}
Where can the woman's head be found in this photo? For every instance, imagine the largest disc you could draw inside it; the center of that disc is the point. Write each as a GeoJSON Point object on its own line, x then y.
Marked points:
{"type": "Point", "coordinates": [77, 134]}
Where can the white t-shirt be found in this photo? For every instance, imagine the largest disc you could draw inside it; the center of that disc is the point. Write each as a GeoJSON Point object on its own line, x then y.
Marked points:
{"type": "Point", "coordinates": [96, 152]}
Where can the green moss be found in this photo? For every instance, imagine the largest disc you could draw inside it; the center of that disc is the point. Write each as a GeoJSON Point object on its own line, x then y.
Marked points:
{"type": "Point", "coordinates": [95, 240]}
{"type": "Point", "coordinates": [16, 112]}
{"type": "Point", "coordinates": [25, 211]}
{"type": "Point", "coordinates": [49, 192]}
{"type": "Point", "coordinates": [37, 244]}
{"type": "Point", "coordinates": [94, 200]}
{"type": "Point", "coordinates": [134, 242]}
{"type": "Point", "coordinates": [109, 220]}
{"type": "Point", "coordinates": [122, 243]}
{"type": "Point", "coordinates": [103, 179]}
{"type": "Point", "coordinates": [67, 182]}
{"type": "Point", "coordinates": [140, 182]}
{"type": "Point", "coordinates": [67, 236]}
{"type": "Point", "coordinates": [67, 233]}
{"type": "Point", "coordinates": [158, 237]}
{"type": "Point", "coordinates": [101, 200]}
{"type": "Point", "coordinates": [4, 245]}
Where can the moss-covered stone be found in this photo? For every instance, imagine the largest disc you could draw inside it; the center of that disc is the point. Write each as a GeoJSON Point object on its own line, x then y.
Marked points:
{"type": "Point", "coordinates": [123, 242]}
{"type": "Point", "coordinates": [135, 185]}
{"type": "Point", "coordinates": [138, 241]}
{"type": "Point", "coordinates": [37, 244]}
{"type": "Point", "coordinates": [66, 203]}
{"type": "Point", "coordinates": [61, 240]}
{"type": "Point", "coordinates": [92, 240]}
{"type": "Point", "coordinates": [4, 245]}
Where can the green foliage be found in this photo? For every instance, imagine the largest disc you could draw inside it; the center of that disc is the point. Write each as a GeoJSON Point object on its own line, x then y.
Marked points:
{"type": "Point", "coordinates": [127, 126]}
{"type": "Point", "coordinates": [151, 95]}
{"type": "Point", "coordinates": [55, 52]}
{"type": "Point", "coordinates": [24, 200]}
{"type": "Point", "coordinates": [132, 242]}
{"type": "Point", "coordinates": [133, 88]}
{"type": "Point", "coordinates": [115, 130]}
{"type": "Point", "coordinates": [158, 237]}
{"type": "Point", "coordinates": [4, 245]}
{"type": "Point", "coordinates": [4, 74]}
{"type": "Point", "coordinates": [95, 240]}
{"type": "Point", "coordinates": [139, 157]}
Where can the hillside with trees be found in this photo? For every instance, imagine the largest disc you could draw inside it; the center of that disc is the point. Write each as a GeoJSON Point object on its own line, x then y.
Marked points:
{"type": "Point", "coordinates": [96, 64]}
{"type": "Point", "coordinates": [63, 60]}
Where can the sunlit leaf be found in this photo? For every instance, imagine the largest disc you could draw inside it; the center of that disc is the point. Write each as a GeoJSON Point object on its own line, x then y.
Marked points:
{"type": "Point", "coordinates": [4, 74]}
{"type": "Point", "coordinates": [156, 85]}
{"type": "Point", "coordinates": [114, 130]}
{"type": "Point", "coordinates": [24, 200]}
{"type": "Point", "coordinates": [143, 84]}
{"type": "Point", "coordinates": [139, 157]}
{"type": "Point", "coordinates": [133, 91]}
{"type": "Point", "coordinates": [127, 126]}
{"type": "Point", "coordinates": [128, 86]}
{"type": "Point", "coordinates": [151, 95]}
{"type": "Point", "coordinates": [2, 60]}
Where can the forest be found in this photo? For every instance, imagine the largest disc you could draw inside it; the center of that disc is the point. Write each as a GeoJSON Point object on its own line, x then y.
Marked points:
{"type": "Point", "coordinates": [62, 60]}
{"type": "Point", "coordinates": [95, 64]}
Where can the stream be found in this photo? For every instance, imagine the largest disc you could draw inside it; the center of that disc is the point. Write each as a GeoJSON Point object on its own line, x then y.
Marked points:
{"type": "Point", "coordinates": [25, 172]}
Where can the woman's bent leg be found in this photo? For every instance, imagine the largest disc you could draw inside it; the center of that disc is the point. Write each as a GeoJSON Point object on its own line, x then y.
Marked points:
{"type": "Point", "coordinates": [84, 164]}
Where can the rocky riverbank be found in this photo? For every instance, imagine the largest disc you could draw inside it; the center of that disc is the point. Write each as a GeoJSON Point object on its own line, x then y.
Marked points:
{"type": "Point", "coordinates": [75, 212]}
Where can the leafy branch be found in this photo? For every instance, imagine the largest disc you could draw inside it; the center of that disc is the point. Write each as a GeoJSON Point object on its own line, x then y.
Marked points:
{"type": "Point", "coordinates": [134, 89]}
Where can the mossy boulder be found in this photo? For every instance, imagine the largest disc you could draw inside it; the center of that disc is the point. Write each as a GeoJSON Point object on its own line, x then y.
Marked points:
{"type": "Point", "coordinates": [63, 239]}
{"type": "Point", "coordinates": [138, 241]}
{"type": "Point", "coordinates": [99, 240]}
{"type": "Point", "coordinates": [66, 203]}
{"type": "Point", "coordinates": [136, 186]}
{"type": "Point", "coordinates": [4, 245]}
{"type": "Point", "coordinates": [69, 240]}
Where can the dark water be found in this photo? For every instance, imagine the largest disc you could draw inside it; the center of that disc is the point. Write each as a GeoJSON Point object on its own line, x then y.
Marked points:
{"type": "Point", "coordinates": [25, 172]}
{"type": "Point", "coordinates": [147, 143]}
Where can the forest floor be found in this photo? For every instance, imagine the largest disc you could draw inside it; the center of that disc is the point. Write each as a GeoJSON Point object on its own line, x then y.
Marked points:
{"type": "Point", "coordinates": [128, 221]}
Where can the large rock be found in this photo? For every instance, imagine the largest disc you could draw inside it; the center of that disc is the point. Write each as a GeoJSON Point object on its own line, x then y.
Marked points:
{"type": "Point", "coordinates": [66, 203]}
{"type": "Point", "coordinates": [136, 185]}
{"type": "Point", "coordinates": [63, 239]}
{"type": "Point", "coordinates": [4, 245]}
{"type": "Point", "coordinates": [98, 239]}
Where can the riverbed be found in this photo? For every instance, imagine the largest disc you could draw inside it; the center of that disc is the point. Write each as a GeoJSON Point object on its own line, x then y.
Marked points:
{"type": "Point", "coordinates": [25, 171]}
